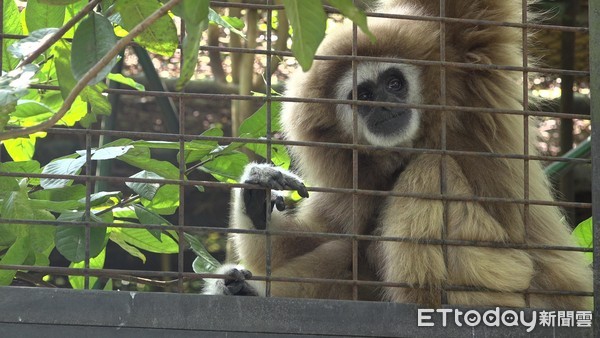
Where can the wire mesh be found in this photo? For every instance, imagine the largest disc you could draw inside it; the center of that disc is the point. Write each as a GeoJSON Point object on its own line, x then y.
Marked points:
{"type": "Point", "coordinates": [175, 275]}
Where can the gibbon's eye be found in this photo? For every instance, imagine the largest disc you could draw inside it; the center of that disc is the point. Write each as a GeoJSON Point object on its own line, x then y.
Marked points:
{"type": "Point", "coordinates": [394, 84]}
{"type": "Point", "coordinates": [365, 95]}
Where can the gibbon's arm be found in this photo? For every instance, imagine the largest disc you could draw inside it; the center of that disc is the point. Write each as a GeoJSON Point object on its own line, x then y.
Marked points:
{"type": "Point", "coordinates": [501, 269]}
{"type": "Point", "coordinates": [291, 256]}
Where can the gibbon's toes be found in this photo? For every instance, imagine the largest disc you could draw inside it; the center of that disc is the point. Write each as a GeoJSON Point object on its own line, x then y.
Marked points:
{"type": "Point", "coordinates": [236, 284]}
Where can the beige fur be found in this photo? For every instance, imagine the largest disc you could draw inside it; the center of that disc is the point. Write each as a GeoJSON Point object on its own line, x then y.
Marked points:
{"type": "Point", "coordinates": [504, 270]}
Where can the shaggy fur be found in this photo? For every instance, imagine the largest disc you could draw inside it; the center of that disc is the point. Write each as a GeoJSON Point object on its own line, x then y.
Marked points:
{"type": "Point", "coordinates": [503, 270]}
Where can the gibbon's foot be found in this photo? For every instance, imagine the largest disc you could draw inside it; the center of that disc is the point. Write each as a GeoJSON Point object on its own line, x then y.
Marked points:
{"type": "Point", "coordinates": [267, 176]}
{"type": "Point", "coordinates": [235, 285]}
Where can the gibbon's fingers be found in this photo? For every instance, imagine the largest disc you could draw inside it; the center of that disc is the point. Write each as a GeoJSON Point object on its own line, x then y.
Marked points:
{"type": "Point", "coordinates": [276, 178]}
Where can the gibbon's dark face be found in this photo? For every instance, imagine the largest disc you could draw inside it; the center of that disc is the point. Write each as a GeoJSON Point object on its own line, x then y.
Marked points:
{"type": "Point", "coordinates": [382, 82]}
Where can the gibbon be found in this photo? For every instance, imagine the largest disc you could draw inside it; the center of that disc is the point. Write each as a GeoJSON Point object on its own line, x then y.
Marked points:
{"type": "Point", "coordinates": [499, 276]}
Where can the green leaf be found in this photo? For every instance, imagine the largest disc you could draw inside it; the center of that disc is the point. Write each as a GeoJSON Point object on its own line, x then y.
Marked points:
{"type": "Point", "coordinates": [308, 21]}
{"type": "Point", "coordinates": [30, 108]}
{"type": "Point", "coordinates": [256, 124]}
{"type": "Point", "coordinates": [16, 255]}
{"type": "Point", "coordinates": [94, 95]}
{"type": "Point", "coordinates": [74, 192]}
{"type": "Point", "coordinates": [117, 238]}
{"type": "Point", "coordinates": [120, 78]}
{"type": "Point", "coordinates": [79, 204]}
{"type": "Point", "coordinates": [92, 40]}
{"type": "Point", "coordinates": [140, 157]}
{"type": "Point", "coordinates": [165, 201]}
{"type": "Point", "coordinates": [195, 15]}
{"type": "Point", "coordinates": [160, 37]}
{"type": "Point", "coordinates": [11, 19]}
{"type": "Point", "coordinates": [108, 153]}
{"type": "Point", "coordinates": [59, 2]}
{"type": "Point", "coordinates": [193, 12]}
{"type": "Point", "coordinates": [197, 150]}
{"type": "Point", "coordinates": [78, 282]}
{"type": "Point", "coordinates": [71, 240]}
{"type": "Point", "coordinates": [145, 190]}
{"type": "Point", "coordinates": [226, 22]}
{"type": "Point", "coordinates": [234, 22]}
{"type": "Point", "coordinates": [90, 94]}
{"type": "Point", "coordinates": [40, 15]}
{"type": "Point", "coordinates": [148, 217]}
{"type": "Point", "coordinates": [65, 166]}
{"type": "Point", "coordinates": [205, 262]}
{"type": "Point", "coordinates": [144, 240]}
{"type": "Point", "coordinates": [584, 237]}
{"type": "Point", "coordinates": [20, 149]}
{"type": "Point", "coordinates": [191, 45]}
{"type": "Point", "coordinates": [26, 167]}
{"type": "Point", "coordinates": [279, 154]}
{"type": "Point", "coordinates": [227, 168]}
{"type": "Point", "coordinates": [13, 86]}
{"type": "Point", "coordinates": [347, 8]}
{"type": "Point", "coordinates": [25, 47]}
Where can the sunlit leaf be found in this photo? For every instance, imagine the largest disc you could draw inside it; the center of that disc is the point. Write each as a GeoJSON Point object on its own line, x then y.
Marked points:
{"type": "Point", "coordinates": [11, 19]}
{"type": "Point", "coordinates": [20, 149]}
{"type": "Point", "coordinates": [144, 240]}
{"type": "Point", "coordinates": [584, 237]}
{"type": "Point", "coordinates": [78, 282]}
{"type": "Point", "coordinates": [160, 37]}
{"type": "Point", "coordinates": [41, 15]}
{"type": "Point", "coordinates": [59, 2]}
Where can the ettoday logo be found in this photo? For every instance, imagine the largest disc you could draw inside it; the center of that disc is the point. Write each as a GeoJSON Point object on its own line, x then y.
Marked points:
{"type": "Point", "coordinates": [496, 317]}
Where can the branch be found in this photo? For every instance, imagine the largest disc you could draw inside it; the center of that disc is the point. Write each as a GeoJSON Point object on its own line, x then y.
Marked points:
{"type": "Point", "coordinates": [91, 74]}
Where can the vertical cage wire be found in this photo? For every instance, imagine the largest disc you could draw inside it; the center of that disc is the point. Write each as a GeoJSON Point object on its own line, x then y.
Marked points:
{"type": "Point", "coordinates": [594, 22]}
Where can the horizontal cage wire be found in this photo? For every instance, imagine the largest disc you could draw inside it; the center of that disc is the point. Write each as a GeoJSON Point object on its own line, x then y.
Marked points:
{"type": "Point", "coordinates": [161, 192]}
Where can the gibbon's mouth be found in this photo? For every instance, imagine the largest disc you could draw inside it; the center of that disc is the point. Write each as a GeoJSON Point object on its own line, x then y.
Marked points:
{"type": "Point", "coordinates": [386, 123]}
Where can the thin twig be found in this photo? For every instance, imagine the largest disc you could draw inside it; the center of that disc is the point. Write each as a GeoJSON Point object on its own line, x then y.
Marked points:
{"type": "Point", "coordinates": [59, 34]}
{"type": "Point", "coordinates": [91, 74]}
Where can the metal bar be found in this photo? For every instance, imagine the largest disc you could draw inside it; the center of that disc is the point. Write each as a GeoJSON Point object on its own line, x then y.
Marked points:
{"type": "Point", "coordinates": [325, 235]}
{"type": "Point", "coordinates": [594, 21]}
{"type": "Point", "coordinates": [126, 314]}
{"type": "Point", "coordinates": [582, 150]}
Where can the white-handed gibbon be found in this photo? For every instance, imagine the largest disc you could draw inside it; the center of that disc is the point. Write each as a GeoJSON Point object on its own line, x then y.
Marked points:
{"type": "Point", "coordinates": [500, 276]}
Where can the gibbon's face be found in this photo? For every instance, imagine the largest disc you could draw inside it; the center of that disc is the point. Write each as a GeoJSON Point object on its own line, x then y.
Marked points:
{"type": "Point", "coordinates": [382, 125]}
